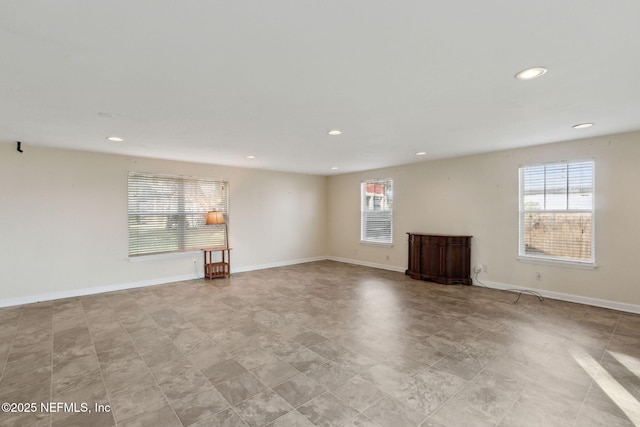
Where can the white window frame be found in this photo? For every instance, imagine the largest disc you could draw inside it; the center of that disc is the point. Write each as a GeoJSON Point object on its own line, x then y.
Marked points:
{"type": "Point", "coordinates": [167, 214]}
{"type": "Point", "coordinates": [523, 211]}
{"type": "Point", "coordinates": [369, 214]}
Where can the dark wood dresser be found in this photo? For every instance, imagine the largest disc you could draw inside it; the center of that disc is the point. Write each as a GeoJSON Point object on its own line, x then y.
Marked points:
{"type": "Point", "coordinates": [440, 258]}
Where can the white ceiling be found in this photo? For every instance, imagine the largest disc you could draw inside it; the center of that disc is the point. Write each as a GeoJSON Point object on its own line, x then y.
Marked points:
{"type": "Point", "coordinates": [214, 81]}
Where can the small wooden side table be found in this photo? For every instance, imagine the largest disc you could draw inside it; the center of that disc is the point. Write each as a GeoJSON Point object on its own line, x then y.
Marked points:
{"type": "Point", "coordinates": [214, 269]}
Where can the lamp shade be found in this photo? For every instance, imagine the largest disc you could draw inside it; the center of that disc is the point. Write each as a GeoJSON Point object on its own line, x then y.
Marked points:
{"type": "Point", "coordinates": [215, 217]}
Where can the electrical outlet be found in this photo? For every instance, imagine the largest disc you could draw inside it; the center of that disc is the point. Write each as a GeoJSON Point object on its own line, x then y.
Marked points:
{"type": "Point", "coordinates": [538, 276]}
{"type": "Point", "coordinates": [485, 269]}
{"type": "Point", "coordinates": [387, 257]}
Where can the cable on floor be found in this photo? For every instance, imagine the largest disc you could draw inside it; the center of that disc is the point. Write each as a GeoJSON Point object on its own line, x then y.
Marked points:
{"type": "Point", "coordinates": [476, 271]}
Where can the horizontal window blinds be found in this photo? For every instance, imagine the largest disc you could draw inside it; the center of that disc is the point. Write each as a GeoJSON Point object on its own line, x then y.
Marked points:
{"type": "Point", "coordinates": [377, 211]}
{"type": "Point", "coordinates": [168, 213]}
{"type": "Point", "coordinates": [556, 211]}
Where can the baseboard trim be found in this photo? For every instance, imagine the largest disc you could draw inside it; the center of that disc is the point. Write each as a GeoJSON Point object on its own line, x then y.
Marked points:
{"type": "Point", "coordinates": [8, 302]}
{"type": "Point", "coordinates": [278, 264]}
{"type": "Point", "coordinates": [367, 264]}
{"type": "Point", "coordinates": [614, 305]}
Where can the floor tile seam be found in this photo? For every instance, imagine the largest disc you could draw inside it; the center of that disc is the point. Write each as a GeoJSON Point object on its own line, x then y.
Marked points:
{"type": "Point", "coordinates": [328, 391]}
{"type": "Point", "coordinates": [51, 377]}
{"type": "Point", "coordinates": [13, 340]}
{"type": "Point", "coordinates": [237, 376]}
{"type": "Point", "coordinates": [280, 383]}
{"type": "Point", "coordinates": [233, 407]}
{"type": "Point", "coordinates": [282, 416]}
{"type": "Point", "coordinates": [340, 384]}
{"type": "Point", "coordinates": [493, 360]}
{"type": "Point", "coordinates": [425, 417]}
{"type": "Point", "coordinates": [583, 404]}
{"type": "Point", "coordinates": [444, 356]}
{"type": "Point", "coordinates": [612, 334]}
{"type": "Point", "coordinates": [592, 383]}
{"type": "Point", "coordinates": [167, 401]}
{"type": "Point", "coordinates": [95, 352]}
{"type": "Point", "coordinates": [507, 410]}
{"type": "Point", "coordinates": [324, 390]}
{"type": "Point", "coordinates": [384, 396]}
{"type": "Point", "coordinates": [458, 390]}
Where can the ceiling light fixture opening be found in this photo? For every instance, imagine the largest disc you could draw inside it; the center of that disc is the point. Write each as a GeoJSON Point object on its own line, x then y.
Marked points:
{"type": "Point", "coordinates": [333, 168]}
{"type": "Point", "coordinates": [583, 125]}
{"type": "Point", "coordinates": [107, 115]}
{"type": "Point", "coordinates": [421, 153]}
{"type": "Point", "coordinates": [531, 73]}
{"type": "Point", "coordinates": [251, 157]}
{"type": "Point", "coordinates": [335, 132]}
{"type": "Point", "coordinates": [115, 139]}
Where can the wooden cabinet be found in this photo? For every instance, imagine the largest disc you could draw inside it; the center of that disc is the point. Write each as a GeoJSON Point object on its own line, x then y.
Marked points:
{"type": "Point", "coordinates": [440, 258]}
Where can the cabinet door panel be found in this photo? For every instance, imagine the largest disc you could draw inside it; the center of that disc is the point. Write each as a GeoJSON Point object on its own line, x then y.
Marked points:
{"type": "Point", "coordinates": [456, 264]}
{"type": "Point", "coordinates": [440, 258]}
{"type": "Point", "coordinates": [430, 261]}
{"type": "Point", "coordinates": [415, 260]}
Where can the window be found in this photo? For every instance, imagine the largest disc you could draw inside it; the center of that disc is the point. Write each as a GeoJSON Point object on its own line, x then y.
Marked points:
{"type": "Point", "coordinates": [168, 213]}
{"type": "Point", "coordinates": [377, 211]}
{"type": "Point", "coordinates": [556, 212]}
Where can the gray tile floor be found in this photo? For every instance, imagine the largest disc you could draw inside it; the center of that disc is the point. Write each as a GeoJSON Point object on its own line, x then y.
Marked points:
{"type": "Point", "coordinates": [324, 344]}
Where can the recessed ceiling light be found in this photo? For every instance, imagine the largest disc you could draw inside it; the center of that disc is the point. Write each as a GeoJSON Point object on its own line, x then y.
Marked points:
{"type": "Point", "coordinates": [334, 168]}
{"type": "Point", "coordinates": [107, 115]}
{"type": "Point", "coordinates": [421, 153]}
{"type": "Point", "coordinates": [335, 132]}
{"type": "Point", "coordinates": [530, 73]}
{"type": "Point", "coordinates": [583, 125]}
{"type": "Point", "coordinates": [115, 139]}
{"type": "Point", "coordinates": [251, 157]}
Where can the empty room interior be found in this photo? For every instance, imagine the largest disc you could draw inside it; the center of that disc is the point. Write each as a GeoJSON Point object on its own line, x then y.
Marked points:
{"type": "Point", "coordinates": [319, 213]}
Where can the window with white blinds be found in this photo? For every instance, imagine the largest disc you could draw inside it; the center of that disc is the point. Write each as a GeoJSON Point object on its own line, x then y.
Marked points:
{"type": "Point", "coordinates": [377, 211]}
{"type": "Point", "coordinates": [168, 213]}
{"type": "Point", "coordinates": [556, 212]}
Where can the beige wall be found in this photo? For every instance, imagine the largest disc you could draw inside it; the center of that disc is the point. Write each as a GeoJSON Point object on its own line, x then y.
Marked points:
{"type": "Point", "coordinates": [478, 195]}
{"type": "Point", "coordinates": [63, 221]}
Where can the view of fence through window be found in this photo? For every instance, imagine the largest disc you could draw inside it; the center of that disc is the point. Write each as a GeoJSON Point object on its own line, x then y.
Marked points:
{"type": "Point", "coordinates": [377, 211]}
{"type": "Point", "coordinates": [556, 211]}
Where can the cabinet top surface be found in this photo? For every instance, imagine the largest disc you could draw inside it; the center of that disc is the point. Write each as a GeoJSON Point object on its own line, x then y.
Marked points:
{"type": "Point", "coordinates": [438, 235]}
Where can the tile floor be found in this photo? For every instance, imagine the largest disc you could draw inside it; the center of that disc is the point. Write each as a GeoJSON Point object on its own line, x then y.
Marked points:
{"type": "Point", "coordinates": [319, 344]}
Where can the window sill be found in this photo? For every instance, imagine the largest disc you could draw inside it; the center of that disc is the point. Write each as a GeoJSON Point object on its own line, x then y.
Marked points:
{"type": "Point", "coordinates": [558, 263]}
{"type": "Point", "coordinates": [381, 244]}
{"type": "Point", "coordinates": [169, 255]}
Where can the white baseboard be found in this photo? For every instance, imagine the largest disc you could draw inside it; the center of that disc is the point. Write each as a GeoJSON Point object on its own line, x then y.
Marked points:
{"type": "Point", "coordinates": [614, 305]}
{"type": "Point", "coordinates": [367, 264]}
{"type": "Point", "coordinates": [8, 302]}
{"type": "Point", "coordinates": [277, 264]}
